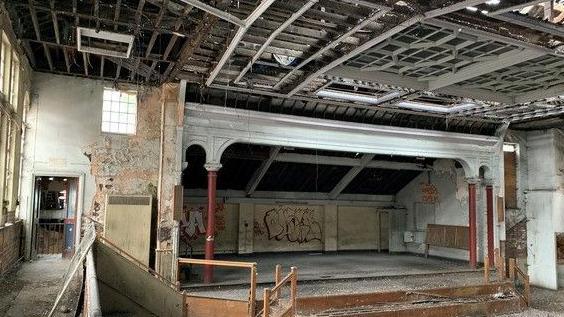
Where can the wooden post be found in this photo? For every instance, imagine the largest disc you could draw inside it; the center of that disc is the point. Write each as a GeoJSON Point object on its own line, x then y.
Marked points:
{"type": "Point", "coordinates": [527, 290]}
{"type": "Point", "coordinates": [294, 290]}
{"type": "Point", "coordinates": [266, 303]}
{"type": "Point", "coordinates": [277, 279]}
{"type": "Point", "coordinates": [486, 270]}
{"type": "Point", "coordinates": [177, 275]}
{"type": "Point", "coordinates": [512, 265]}
{"type": "Point", "coordinates": [253, 292]}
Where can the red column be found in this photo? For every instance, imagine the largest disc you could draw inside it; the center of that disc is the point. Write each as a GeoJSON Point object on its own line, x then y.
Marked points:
{"type": "Point", "coordinates": [472, 223]}
{"type": "Point", "coordinates": [490, 223]}
{"type": "Point", "coordinates": [210, 229]}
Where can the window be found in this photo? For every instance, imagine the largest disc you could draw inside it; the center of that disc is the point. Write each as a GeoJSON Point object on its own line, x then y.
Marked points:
{"type": "Point", "coordinates": [119, 114]}
{"type": "Point", "coordinates": [15, 81]}
{"type": "Point", "coordinates": [5, 64]}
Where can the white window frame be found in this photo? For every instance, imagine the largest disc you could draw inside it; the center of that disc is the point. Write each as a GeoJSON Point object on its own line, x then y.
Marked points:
{"type": "Point", "coordinates": [119, 111]}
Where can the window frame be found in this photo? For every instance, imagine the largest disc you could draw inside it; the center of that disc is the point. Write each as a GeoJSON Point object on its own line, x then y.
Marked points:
{"type": "Point", "coordinates": [115, 109]}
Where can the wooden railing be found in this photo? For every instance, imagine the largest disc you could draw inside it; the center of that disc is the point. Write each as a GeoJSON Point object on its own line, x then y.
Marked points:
{"type": "Point", "coordinates": [521, 281]}
{"type": "Point", "coordinates": [272, 296]}
{"type": "Point", "coordinates": [251, 266]}
{"type": "Point", "coordinates": [50, 238]}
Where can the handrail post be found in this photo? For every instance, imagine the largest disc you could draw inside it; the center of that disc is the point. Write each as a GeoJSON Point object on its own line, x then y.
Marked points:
{"type": "Point", "coordinates": [512, 265]}
{"type": "Point", "coordinates": [293, 289]}
{"type": "Point", "coordinates": [527, 290]}
{"type": "Point", "coordinates": [277, 279]}
{"type": "Point", "coordinates": [177, 274]}
{"type": "Point", "coordinates": [253, 291]}
{"type": "Point", "coordinates": [266, 303]}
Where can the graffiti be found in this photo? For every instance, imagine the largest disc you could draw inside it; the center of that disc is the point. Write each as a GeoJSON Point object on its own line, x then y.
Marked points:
{"type": "Point", "coordinates": [194, 226]}
{"type": "Point", "coordinates": [193, 221]}
{"type": "Point", "coordinates": [429, 193]}
{"type": "Point", "coordinates": [294, 224]}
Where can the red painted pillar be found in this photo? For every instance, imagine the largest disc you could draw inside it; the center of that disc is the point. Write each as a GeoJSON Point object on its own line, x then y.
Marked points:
{"type": "Point", "coordinates": [490, 223]}
{"type": "Point", "coordinates": [210, 229]}
{"type": "Point", "coordinates": [472, 224]}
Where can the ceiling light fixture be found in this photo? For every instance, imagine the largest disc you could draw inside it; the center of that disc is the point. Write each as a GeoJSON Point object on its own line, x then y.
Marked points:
{"type": "Point", "coordinates": [373, 100]}
{"type": "Point", "coordinates": [473, 9]}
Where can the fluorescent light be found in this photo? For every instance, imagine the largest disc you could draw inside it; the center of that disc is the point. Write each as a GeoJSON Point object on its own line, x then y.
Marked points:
{"type": "Point", "coordinates": [373, 100]}
{"type": "Point", "coordinates": [473, 9]}
{"type": "Point", "coordinates": [51, 178]}
{"type": "Point", "coordinates": [493, 2]}
{"type": "Point", "coordinates": [485, 11]}
{"type": "Point", "coordinates": [436, 108]}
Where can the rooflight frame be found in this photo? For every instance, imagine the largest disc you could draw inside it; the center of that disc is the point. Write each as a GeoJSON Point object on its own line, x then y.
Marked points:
{"type": "Point", "coordinates": [104, 35]}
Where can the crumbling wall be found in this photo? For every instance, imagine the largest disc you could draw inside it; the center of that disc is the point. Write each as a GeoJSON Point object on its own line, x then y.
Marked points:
{"type": "Point", "coordinates": [440, 196]}
{"type": "Point", "coordinates": [127, 164]}
{"type": "Point", "coordinates": [65, 138]}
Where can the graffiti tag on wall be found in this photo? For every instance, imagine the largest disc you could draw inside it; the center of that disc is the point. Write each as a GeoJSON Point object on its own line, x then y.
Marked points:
{"type": "Point", "coordinates": [293, 224]}
{"type": "Point", "coordinates": [429, 193]}
{"type": "Point", "coordinates": [194, 218]}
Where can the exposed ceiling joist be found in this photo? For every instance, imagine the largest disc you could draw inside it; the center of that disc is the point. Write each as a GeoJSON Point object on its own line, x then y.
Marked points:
{"type": "Point", "coordinates": [402, 81]}
{"type": "Point", "coordinates": [474, 70]}
{"type": "Point", "coordinates": [217, 12]}
{"type": "Point", "coordinates": [259, 10]}
{"type": "Point", "coordinates": [273, 35]}
{"type": "Point", "coordinates": [404, 23]}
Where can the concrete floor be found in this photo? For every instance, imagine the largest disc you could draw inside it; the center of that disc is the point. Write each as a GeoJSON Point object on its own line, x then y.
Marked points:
{"type": "Point", "coordinates": [30, 290]}
{"type": "Point", "coordinates": [318, 266]}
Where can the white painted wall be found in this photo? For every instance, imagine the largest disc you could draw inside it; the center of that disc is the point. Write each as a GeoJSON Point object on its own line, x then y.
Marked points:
{"type": "Point", "coordinates": [545, 197]}
{"type": "Point", "coordinates": [450, 205]}
{"type": "Point", "coordinates": [65, 114]}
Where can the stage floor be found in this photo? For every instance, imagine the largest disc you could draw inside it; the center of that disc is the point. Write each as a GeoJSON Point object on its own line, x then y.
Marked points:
{"type": "Point", "coordinates": [332, 266]}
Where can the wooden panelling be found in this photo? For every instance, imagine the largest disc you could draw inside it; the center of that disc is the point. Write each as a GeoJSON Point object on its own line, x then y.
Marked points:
{"type": "Point", "coordinates": [510, 164]}
{"type": "Point", "coordinates": [446, 236]}
{"type": "Point", "coordinates": [217, 307]}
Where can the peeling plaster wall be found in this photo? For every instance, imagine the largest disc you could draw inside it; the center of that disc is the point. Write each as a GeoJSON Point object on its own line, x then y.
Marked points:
{"type": "Point", "coordinates": [65, 138]}
{"type": "Point", "coordinates": [444, 187]}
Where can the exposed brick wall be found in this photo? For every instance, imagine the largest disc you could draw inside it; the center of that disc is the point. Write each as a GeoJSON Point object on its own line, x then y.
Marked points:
{"type": "Point", "coordinates": [516, 245]}
{"type": "Point", "coordinates": [10, 246]}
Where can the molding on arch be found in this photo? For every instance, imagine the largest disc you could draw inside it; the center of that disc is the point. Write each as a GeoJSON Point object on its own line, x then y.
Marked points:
{"type": "Point", "coordinates": [215, 128]}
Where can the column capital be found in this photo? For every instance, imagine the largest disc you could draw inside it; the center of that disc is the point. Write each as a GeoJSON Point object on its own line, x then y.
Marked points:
{"type": "Point", "coordinates": [212, 166]}
{"type": "Point", "coordinates": [472, 180]}
{"type": "Point", "coordinates": [488, 182]}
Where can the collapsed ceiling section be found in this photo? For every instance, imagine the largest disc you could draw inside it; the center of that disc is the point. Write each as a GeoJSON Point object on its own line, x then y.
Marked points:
{"type": "Point", "coordinates": [436, 62]}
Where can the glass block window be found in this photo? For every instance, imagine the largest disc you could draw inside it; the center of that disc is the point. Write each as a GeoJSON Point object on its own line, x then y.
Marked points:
{"type": "Point", "coordinates": [119, 114]}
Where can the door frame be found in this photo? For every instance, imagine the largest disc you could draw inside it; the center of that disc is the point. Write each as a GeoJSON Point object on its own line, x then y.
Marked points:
{"type": "Point", "coordinates": [31, 251]}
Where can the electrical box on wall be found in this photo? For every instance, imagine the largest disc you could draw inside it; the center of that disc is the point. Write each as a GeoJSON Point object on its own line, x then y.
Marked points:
{"type": "Point", "coordinates": [408, 236]}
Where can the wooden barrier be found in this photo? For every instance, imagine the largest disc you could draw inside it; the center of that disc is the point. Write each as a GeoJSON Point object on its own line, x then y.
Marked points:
{"type": "Point", "coordinates": [446, 236]}
{"type": "Point", "coordinates": [518, 277]}
{"type": "Point", "coordinates": [268, 298]}
{"type": "Point", "coordinates": [252, 266]}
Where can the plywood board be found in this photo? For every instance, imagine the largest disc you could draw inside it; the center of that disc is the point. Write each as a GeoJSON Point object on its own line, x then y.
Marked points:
{"type": "Point", "coordinates": [128, 224]}
{"type": "Point", "coordinates": [447, 236]}
{"type": "Point", "coordinates": [358, 228]}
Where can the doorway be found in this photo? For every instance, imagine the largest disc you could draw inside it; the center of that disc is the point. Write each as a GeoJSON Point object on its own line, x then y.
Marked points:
{"type": "Point", "coordinates": [54, 209]}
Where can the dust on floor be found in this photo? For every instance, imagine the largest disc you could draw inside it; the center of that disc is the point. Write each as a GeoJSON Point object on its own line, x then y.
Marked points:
{"type": "Point", "coordinates": [31, 288]}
